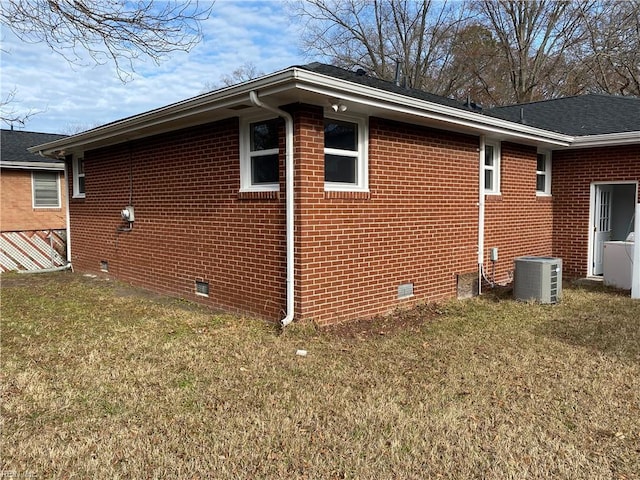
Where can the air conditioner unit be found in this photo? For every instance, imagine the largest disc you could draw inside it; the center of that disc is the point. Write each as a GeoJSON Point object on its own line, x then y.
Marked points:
{"type": "Point", "coordinates": [538, 279]}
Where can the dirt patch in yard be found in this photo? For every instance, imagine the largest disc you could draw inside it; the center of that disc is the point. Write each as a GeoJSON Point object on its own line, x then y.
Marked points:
{"type": "Point", "coordinates": [400, 320]}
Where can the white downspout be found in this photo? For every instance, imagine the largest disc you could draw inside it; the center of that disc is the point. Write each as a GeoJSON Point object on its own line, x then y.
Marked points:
{"type": "Point", "coordinates": [290, 203]}
{"type": "Point", "coordinates": [481, 199]}
{"type": "Point", "coordinates": [635, 272]}
{"type": "Point", "coordinates": [68, 216]}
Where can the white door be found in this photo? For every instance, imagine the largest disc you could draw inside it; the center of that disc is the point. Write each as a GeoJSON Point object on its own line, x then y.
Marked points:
{"type": "Point", "coordinates": [601, 225]}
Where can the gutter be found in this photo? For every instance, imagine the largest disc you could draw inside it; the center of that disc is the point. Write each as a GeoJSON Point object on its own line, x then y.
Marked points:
{"type": "Point", "coordinates": [606, 140]}
{"type": "Point", "coordinates": [353, 92]}
{"type": "Point", "coordinates": [52, 166]}
{"type": "Point", "coordinates": [289, 172]}
{"type": "Point", "coordinates": [295, 79]}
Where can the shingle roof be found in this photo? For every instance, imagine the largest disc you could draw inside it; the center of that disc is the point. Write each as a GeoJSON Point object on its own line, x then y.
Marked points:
{"type": "Point", "coordinates": [14, 144]}
{"type": "Point", "coordinates": [591, 114]}
{"type": "Point", "coordinates": [363, 79]}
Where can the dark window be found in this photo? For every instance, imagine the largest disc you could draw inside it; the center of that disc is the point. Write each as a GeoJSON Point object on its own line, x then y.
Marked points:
{"type": "Point", "coordinates": [264, 151]}
{"type": "Point", "coordinates": [264, 135]}
{"type": "Point", "coordinates": [339, 169]}
{"type": "Point", "coordinates": [264, 169]}
{"type": "Point", "coordinates": [341, 151]}
{"type": "Point", "coordinates": [340, 135]}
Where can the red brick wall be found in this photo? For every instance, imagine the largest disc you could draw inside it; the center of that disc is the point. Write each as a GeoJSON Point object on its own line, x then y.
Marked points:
{"type": "Point", "coordinates": [354, 250]}
{"type": "Point", "coordinates": [190, 222]}
{"type": "Point", "coordinates": [418, 224]}
{"type": "Point", "coordinates": [573, 172]}
{"type": "Point", "coordinates": [517, 222]}
{"type": "Point", "coordinates": [16, 206]}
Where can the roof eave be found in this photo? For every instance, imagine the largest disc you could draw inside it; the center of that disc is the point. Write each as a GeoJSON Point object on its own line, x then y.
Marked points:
{"type": "Point", "coordinates": [55, 166]}
{"type": "Point", "coordinates": [606, 140]}
{"type": "Point", "coordinates": [299, 78]}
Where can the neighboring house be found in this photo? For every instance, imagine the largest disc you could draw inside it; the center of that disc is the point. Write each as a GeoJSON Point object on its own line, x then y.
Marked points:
{"type": "Point", "coordinates": [32, 204]}
{"type": "Point", "coordinates": [324, 194]}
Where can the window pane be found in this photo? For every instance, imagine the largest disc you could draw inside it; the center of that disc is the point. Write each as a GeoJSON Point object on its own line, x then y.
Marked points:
{"type": "Point", "coordinates": [340, 135]}
{"type": "Point", "coordinates": [488, 155]}
{"type": "Point", "coordinates": [339, 169]}
{"type": "Point", "coordinates": [45, 189]}
{"type": "Point", "coordinates": [80, 166]}
{"type": "Point", "coordinates": [488, 180]}
{"type": "Point", "coordinates": [80, 184]}
{"type": "Point", "coordinates": [540, 183]}
{"type": "Point", "coordinates": [264, 169]}
{"type": "Point", "coordinates": [264, 135]}
{"type": "Point", "coordinates": [541, 163]}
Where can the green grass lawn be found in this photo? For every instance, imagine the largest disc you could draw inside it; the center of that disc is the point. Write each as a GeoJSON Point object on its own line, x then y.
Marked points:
{"type": "Point", "coordinates": [102, 381]}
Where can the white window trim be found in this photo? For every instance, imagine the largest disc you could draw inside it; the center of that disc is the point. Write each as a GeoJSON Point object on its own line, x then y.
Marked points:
{"type": "Point", "coordinates": [33, 191]}
{"type": "Point", "coordinates": [76, 182]}
{"type": "Point", "coordinates": [495, 169]}
{"type": "Point", "coordinates": [245, 157]}
{"type": "Point", "coordinates": [362, 156]}
{"type": "Point", "coordinates": [546, 173]}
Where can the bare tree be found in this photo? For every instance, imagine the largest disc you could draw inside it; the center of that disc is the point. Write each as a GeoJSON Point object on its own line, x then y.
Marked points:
{"type": "Point", "coordinates": [532, 40]}
{"type": "Point", "coordinates": [246, 71]}
{"type": "Point", "coordinates": [108, 30]}
{"type": "Point", "coordinates": [496, 51]}
{"type": "Point", "coordinates": [10, 115]}
{"type": "Point", "coordinates": [611, 54]}
{"type": "Point", "coordinates": [377, 34]}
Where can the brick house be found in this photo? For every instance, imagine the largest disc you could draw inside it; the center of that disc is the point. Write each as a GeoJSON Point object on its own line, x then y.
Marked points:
{"type": "Point", "coordinates": [324, 194]}
{"type": "Point", "coordinates": [32, 204]}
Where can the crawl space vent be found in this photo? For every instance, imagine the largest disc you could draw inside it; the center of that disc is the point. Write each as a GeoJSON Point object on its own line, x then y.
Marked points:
{"type": "Point", "coordinates": [202, 288]}
{"type": "Point", "coordinates": [405, 290]}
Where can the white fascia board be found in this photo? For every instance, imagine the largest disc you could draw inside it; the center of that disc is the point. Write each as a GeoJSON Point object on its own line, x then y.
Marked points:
{"type": "Point", "coordinates": [59, 167]}
{"type": "Point", "coordinates": [330, 86]}
{"type": "Point", "coordinates": [606, 140]}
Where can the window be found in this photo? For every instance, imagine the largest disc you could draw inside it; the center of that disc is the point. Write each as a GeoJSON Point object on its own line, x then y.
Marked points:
{"type": "Point", "coordinates": [46, 189]}
{"type": "Point", "coordinates": [259, 155]}
{"type": "Point", "coordinates": [345, 155]}
{"type": "Point", "coordinates": [492, 167]}
{"type": "Point", "coordinates": [78, 177]}
{"type": "Point", "coordinates": [543, 174]}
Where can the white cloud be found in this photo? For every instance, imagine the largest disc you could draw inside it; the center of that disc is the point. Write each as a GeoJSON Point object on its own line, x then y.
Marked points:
{"type": "Point", "coordinates": [238, 32]}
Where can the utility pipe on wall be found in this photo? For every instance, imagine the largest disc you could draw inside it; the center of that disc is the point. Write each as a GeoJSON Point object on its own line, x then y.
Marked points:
{"type": "Point", "coordinates": [289, 172]}
{"type": "Point", "coordinates": [481, 198]}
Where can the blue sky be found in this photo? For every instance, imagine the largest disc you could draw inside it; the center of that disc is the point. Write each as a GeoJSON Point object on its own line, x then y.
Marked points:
{"type": "Point", "coordinates": [73, 98]}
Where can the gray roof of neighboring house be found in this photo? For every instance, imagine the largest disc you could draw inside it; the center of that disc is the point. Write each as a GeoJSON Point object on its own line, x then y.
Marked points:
{"type": "Point", "coordinates": [591, 114]}
{"type": "Point", "coordinates": [14, 154]}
